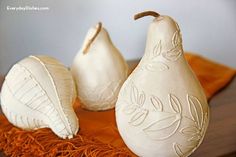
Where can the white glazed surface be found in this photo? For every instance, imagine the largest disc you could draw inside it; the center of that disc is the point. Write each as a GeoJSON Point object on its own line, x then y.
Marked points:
{"type": "Point", "coordinates": [39, 92]}
{"type": "Point", "coordinates": [161, 108]}
{"type": "Point", "coordinates": [99, 73]}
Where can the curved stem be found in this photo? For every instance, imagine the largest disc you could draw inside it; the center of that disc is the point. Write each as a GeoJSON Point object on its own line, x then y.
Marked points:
{"type": "Point", "coordinates": [146, 13]}
{"type": "Point", "coordinates": [93, 38]}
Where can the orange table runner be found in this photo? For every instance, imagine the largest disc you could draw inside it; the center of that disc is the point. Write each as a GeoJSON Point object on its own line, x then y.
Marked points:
{"type": "Point", "coordinates": [98, 135]}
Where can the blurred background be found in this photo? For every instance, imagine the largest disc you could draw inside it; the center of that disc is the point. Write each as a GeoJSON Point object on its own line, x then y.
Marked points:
{"type": "Point", "coordinates": [208, 27]}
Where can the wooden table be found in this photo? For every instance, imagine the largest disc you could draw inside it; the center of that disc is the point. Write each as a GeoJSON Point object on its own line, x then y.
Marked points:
{"type": "Point", "coordinates": [220, 139]}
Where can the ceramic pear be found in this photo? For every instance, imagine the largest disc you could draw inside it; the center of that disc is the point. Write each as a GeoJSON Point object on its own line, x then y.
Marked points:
{"type": "Point", "coordinates": [39, 92]}
{"type": "Point", "coordinates": [99, 70]}
{"type": "Point", "coordinates": [161, 108]}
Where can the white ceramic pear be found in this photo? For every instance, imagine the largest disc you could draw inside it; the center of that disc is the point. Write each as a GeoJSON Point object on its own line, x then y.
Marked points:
{"type": "Point", "coordinates": [161, 108]}
{"type": "Point", "coordinates": [99, 70]}
{"type": "Point", "coordinates": [39, 92]}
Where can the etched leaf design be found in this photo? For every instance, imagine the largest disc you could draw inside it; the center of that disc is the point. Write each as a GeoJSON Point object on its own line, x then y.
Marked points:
{"type": "Point", "coordinates": [161, 124]}
{"type": "Point", "coordinates": [178, 150]}
{"type": "Point", "coordinates": [190, 131]}
{"type": "Point", "coordinates": [134, 94]}
{"type": "Point", "coordinates": [195, 138]}
{"type": "Point", "coordinates": [141, 99]}
{"type": "Point", "coordinates": [176, 39]}
{"type": "Point", "coordinates": [175, 103]}
{"type": "Point", "coordinates": [139, 117]}
{"type": "Point", "coordinates": [157, 66]}
{"type": "Point", "coordinates": [173, 54]}
{"type": "Point", "coordinates": [163, 129]}
{"type": "Point", "coordinates": [196, 110]}
{"type": "Point", "coordinates": [157, 49]}
{"type": "Point", "coordinates": [130, 109]}
{"type": "Point", "coordinates": [158, 106]}
{"type": "Point", "coordinates": [177, 26]}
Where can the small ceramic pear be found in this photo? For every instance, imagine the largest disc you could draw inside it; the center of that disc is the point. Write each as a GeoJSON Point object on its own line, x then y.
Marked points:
{"type": "Point", "coordinates": [99, 70]}
{"type": "Point", "coordinates": [39, 92]}
{"type": "Point", "coordinates": [161, 108]}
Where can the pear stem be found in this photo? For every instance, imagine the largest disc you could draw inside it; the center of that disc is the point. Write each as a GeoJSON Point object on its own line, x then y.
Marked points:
{"type": "Point", "coordinates": [87, 46]}
{"type": "Point", "coordinates": [146, 13]}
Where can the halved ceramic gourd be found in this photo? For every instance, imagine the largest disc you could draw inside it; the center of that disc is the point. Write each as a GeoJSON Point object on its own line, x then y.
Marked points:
{"type": "Point", "coordinates": [39, 92]}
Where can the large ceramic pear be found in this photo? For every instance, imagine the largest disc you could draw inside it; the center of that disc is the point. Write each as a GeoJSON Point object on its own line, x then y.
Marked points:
{"type": "Point", "coordinates": [161, 109]}
{"type": "Point", "coordinates": [99, 70]}
{"type": "Point", "coordinates": [39, 92]}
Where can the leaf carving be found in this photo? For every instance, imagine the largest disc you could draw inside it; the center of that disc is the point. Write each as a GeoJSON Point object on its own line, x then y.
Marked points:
{"type": "Point", "coordinates": [195, 138]}
{"type": "Point", "coordinates": [173, 54]}
{"type": "Point", "coordinates": [190, 131]}
{"type": "Point", "coordinates": [196, 111]}
{"type": "Point", "coordinates": [157, 66]}
{"type": "Point", "coordinates": [141, 99]}
{"type": "Point", "coordinates": [175, 103]}
{"type": "Point", "coordinates": [177, 26]}
{"type": "Point", "coordinates": [178, 150]}
{"type": "Point", "coordinates": [176, 39]}
{"type": "Point", "coordinates": [163, 129]}
{"type": "Point", "coordinates": [139, 117]}
{"type": "Point", "coordinates": [157, 49]}
{"type": "Point", "coordinates": [156, 103]}
{"type": "Point", "coordinates": [134, 94]}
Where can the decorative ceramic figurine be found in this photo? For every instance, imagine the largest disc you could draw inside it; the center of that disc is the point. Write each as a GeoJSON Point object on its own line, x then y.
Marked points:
{"type": "Point", "coordinates": [39, 92]}
{"type": "Point", "coordinates": [99, 70]}
{"type": "Point", "coordinates": [161, 108]}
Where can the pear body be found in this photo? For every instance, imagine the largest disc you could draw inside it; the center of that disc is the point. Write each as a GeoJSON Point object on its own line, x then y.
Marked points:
{"type": "Point", "coordinates": [161, 108]}
{"type": "Point", "coordinates": [39, 92]}
{"type": "Point", "coordinates": [99, 73]}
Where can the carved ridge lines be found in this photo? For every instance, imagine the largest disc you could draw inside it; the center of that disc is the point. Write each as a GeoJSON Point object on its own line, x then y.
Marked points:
{"type": "Point", "coordinates": [64, 119]}
{"type": "Point", "coordinates": [193, 133]}
{"type": "Point", "coordinates": [164, 128]}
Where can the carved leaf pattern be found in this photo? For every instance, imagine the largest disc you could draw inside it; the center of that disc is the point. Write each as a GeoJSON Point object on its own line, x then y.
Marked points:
{"type": "Point", "coordinates": [175, 104]}
{"type": "Point", "coordinates": [161, 124]}
{"type": "Point", "coordinates": [196, 111]}
{"type": "Point", "coordinates": [135, 109]}
{"type": "Point", "coordinates": [156, 65]}
{"type": "Point", "coordinates": [172, 54]}
{"type": "Point", "coordinates": [176, 39]}
{"type": "Point", "coordinates": [158, 106]}
{"type": "Point", "coordinates": [157, 49]}
{"type": "Point", "coordinates": [138, 117]}
{"type": "Point", "coordinates": [163, 129]}
{"type": "Point", "coordinates": [195, 138]}
{"type": "Point", "coordinates": [134, 94]}
{"type": "Point", "coordinates": [141, 99]}
{"type": "Point", "coordinates": [194, 133]}
{"type": "Point", "coordinates": [178, 150]}
{"type": "Point", "coordinates": [190, 131]}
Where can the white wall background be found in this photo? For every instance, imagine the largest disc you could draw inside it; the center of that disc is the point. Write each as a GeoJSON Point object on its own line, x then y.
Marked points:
{"type": "Point", "coordinates": [208, 27]}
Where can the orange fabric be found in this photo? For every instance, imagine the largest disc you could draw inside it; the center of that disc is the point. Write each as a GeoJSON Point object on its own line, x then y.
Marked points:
{"type": "Point", "coordinates": [98, 135]}
{"type": "Point", "coordinates": [212, 76]}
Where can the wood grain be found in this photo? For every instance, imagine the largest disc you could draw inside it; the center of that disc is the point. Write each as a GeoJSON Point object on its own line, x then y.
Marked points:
{"type": "Point", "coordinates": [220, 139]}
